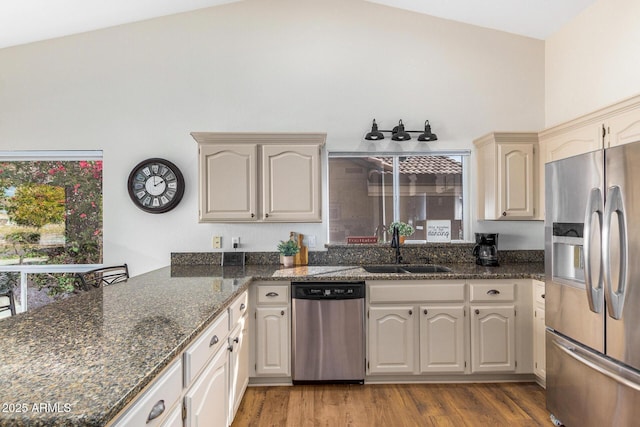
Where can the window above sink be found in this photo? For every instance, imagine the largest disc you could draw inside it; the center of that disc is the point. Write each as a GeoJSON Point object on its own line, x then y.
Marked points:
{"type": "Point", "coordinates": [368, 191]}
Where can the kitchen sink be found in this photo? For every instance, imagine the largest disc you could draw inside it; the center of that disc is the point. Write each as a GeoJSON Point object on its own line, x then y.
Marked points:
{"type": "Point", "coordinates": [406, 269]}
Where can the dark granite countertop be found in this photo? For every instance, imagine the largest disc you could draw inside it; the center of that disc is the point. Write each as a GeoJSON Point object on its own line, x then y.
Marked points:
{"type": "Point", "coordinates": [83, 359]}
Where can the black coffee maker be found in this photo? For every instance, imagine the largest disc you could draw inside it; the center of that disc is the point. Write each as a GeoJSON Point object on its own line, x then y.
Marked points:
{"type": "Point", "coordinates": [486, 249]}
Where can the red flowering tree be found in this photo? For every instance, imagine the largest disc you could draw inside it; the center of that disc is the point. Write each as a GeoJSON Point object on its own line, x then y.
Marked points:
{"type": "Point", "coordinates": [78, 205]}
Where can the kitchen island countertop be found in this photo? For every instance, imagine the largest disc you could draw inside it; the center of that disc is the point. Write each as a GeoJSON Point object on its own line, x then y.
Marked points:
{"type": "Point", "coordinates": [81, 360]}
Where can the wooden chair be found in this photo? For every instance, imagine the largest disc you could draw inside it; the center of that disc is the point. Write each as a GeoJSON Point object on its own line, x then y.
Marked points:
{"type": "Point", "coordinates": [103, 276]}
{"type": "Point", "coordinates": [10, 305]}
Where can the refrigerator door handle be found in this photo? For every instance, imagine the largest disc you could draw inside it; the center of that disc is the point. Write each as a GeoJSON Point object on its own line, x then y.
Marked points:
{"type": "Point", "coordinates": [594, 294]}
{"type": "Point", "coordinates": [585, 360]}
{"type": "Point", "coordinates": [615, 296]}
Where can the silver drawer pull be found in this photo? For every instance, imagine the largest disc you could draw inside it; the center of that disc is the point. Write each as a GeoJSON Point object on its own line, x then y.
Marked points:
{"type": "Point", "coordinates": [242, 306]}
{"type": "Point", "coordinates": [272, 294]}
{"type": "Point", "coordinates": [214, 340]}
{"type": "Point", "coordinates": [156, 411]}
{"type": "Point", "coordinates": [493, 292]}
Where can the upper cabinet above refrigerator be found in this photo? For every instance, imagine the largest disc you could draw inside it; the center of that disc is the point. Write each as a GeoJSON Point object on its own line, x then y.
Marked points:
{"type": "Point", "coordinates": [614, 125]}
{"type": "Point", "coordinates": [506, 167]}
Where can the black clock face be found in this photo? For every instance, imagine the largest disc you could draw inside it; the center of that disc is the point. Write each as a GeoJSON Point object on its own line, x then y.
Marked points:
{"type": "Point", "coordinates": [156, 185]}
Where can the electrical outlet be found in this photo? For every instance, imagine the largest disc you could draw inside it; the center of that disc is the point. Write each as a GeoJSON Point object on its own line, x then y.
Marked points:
{"type": "Point", "coordinates": [311, 241]}
{"type": "Point", "coordinates": [217, 242]}
{"type": "Point", "coordinates": [235, 242]}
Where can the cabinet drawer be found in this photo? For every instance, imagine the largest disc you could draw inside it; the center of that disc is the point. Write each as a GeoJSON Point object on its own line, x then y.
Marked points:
{"type": "Point", "coordinates": [538, 292]}
{"type": "Point", "coordinates": [237, 309]}
{"type": "Point", "coordinates": [273, 294]}
{"type": "Point", "coordinates": [156, 401]}
{"type": "Point", "coordinates": [205, 346]}
{"type": "Point", "coordinates": [490, 292]}
{"type": "Point", "coordinates": [428, 291]}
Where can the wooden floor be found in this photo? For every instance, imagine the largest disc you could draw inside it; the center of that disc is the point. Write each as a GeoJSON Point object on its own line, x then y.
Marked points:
{"type": "Point", "coordinates": [410, 405]}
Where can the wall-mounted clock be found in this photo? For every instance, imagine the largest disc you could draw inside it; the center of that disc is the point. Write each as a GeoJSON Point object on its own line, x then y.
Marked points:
{"type": "Point", "coordinates": [156, 185]}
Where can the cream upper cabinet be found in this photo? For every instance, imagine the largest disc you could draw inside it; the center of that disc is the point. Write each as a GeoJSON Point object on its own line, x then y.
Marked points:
{"type": "Point", "coordinates": [507, 172]}
{"type": "Point", "coordinates": [291, 182]}
{"type": "Point", "coordinates": [623, 128]}
{"type": "Point", "coordinates": [264, 177]}
{"type": "Point", "coordinates": [614, 125]}
{"type": "Point", "coordinates": [228, 182]}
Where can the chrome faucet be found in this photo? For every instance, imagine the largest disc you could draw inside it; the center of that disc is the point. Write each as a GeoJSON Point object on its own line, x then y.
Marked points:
{"type": "Point", "coordinates": [395, 243]}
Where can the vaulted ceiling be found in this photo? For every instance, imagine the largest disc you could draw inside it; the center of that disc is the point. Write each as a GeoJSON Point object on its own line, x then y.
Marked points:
{"type": "Point", "coordinates": [26, 21]}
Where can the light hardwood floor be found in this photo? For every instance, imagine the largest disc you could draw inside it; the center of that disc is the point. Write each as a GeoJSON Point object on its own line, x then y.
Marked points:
{"type": "Point", "coordinates": [503, 404]}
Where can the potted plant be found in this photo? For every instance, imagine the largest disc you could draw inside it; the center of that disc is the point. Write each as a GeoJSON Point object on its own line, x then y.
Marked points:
{"type": "Point", "coordinates": [288, 249]}
{"type": "Point", "coordinates": [404, 229]}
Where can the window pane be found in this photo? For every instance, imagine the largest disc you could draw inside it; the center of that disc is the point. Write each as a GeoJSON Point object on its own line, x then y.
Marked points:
{"type": "Point", "coordinates": [360, 197]}
{"type": "Point", "coordinates": [431, 189]}
{"type": "Point", "coordinates": [50, 212]}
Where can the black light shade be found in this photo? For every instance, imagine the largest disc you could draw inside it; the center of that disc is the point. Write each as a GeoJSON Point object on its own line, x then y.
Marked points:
{"type": "Point", "coordinates": [427, 135]}
{"type": "Point", "coordinates": [399, 133]}
{"type": "Point", "coordinates": [375, 134]}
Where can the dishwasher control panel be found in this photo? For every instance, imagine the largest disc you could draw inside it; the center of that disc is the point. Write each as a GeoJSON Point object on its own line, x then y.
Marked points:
{"type": "Point", "coordinates": [329, 290]}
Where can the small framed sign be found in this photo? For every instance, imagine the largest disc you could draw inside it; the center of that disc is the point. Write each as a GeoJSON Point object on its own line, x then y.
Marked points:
{"type": "Point", "coordinates": [439, 231]}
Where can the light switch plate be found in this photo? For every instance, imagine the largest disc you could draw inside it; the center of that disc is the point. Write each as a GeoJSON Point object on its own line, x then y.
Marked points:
{"type": "Point", "coordinates": [217, 242]}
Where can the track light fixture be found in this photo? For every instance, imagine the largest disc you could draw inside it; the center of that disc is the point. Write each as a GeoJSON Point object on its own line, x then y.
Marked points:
{"type": "Point", "coordinates": [398, 133]}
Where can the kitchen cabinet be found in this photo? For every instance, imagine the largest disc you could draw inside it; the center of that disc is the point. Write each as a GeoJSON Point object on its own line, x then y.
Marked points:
{"type": "Point", "coordinates": [493, 329]}
{"type": "Point", "coordinates": [392, 339]}
{"type": "Point", "coordinates": [216, 368]}
{"type": "Point", "coordinates": [539, 350]}
{"type": "Point", "coordinates": [614, 125]}
{"type": "Point", "coordinates": [442, 338]}
{"type": "Point", "coordinates": [507, 171]}
{"type": "Point", "coordinates": [153, 405]}
{"type": "Point", "coordinates": [272, 330]}
{"type": "Point", "coordinates": [259, 177]}
{"type": "Point", "coordinates": [416, 327]}
{"type": "Point", "coordinates": [239, 353]}
{"type": "Point", "coordinates": [207, 401]}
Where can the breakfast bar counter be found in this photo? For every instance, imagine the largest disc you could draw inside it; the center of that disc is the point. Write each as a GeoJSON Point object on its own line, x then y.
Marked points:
{"type": "Point", "coordinates": [81, 360]}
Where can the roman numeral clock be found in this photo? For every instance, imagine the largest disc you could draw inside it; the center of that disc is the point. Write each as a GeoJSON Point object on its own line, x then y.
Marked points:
{"type": "Point", "coordinates": [156, 185]}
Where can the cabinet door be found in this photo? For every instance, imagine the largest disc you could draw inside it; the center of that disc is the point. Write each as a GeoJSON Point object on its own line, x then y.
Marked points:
{"type": "Point", "coordinates": [228, 182]}
{"type": "Point", "coordinates": [239, 365]}
{"type": "Point", "coordinates": [273, 341]}
{"type": "Point", "coordinates": [442, 338]}
{"type": "Point", "coordinates": [539, 356]}
{"type": "Point", "coordinates": [623, 128]}
{"type": "Point", "coordinates": [515, 178]}
{"type": "Point", "coordinates": [291, 182]}
{"type": "Point", "coordinates": [392, 339]}
{"type": "Point", "coordinates": [207, 401]}
{"type": "Point", "coordinates": [493, 338]}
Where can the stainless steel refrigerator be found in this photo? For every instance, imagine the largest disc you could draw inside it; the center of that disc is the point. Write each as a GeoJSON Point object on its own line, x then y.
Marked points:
{"type": "Point", "coordinates": [592, 267]}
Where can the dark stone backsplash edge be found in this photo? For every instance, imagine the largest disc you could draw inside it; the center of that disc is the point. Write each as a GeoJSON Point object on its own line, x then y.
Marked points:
{"type": "Point", "coordinates": [370, 254]}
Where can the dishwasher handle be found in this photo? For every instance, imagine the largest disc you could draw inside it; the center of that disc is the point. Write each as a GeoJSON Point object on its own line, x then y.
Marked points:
{"type": "Point", "coordinates": [327, 290]}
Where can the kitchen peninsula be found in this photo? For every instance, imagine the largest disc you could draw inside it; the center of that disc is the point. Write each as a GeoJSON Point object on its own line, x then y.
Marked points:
{"type": "Point", "coordinates": [84, 359]}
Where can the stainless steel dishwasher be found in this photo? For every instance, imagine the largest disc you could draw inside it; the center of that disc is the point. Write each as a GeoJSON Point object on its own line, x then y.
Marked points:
{"type": "Point", "coordinates": [328, 332]}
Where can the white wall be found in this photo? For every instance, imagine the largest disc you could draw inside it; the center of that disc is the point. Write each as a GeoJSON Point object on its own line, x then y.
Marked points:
{"type": "Point", "coordinates": [136, 91]}
{"type": "Point", "coordinates": [593, 61]}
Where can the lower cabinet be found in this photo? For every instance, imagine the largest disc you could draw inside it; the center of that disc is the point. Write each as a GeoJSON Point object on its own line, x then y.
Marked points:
{"type": "Point", "coordinates": [239, 365]}
{"type": "Point", "coordinates": [449, 327]}
{"type": "Point", "coordinates": [442, 338]}
{"type": "Point", "coordinates": [493, 343]}
{"type": "Point", "coordinates": [391, 339]}
{"type": "Point", "coordinates": [271, 347]}
{"type": "Point", "coordinates": [207, 401]}
{"type": "Point", "coordinates": [273, 341]}
{"type": "Point", "coordinates": [539, 346]}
